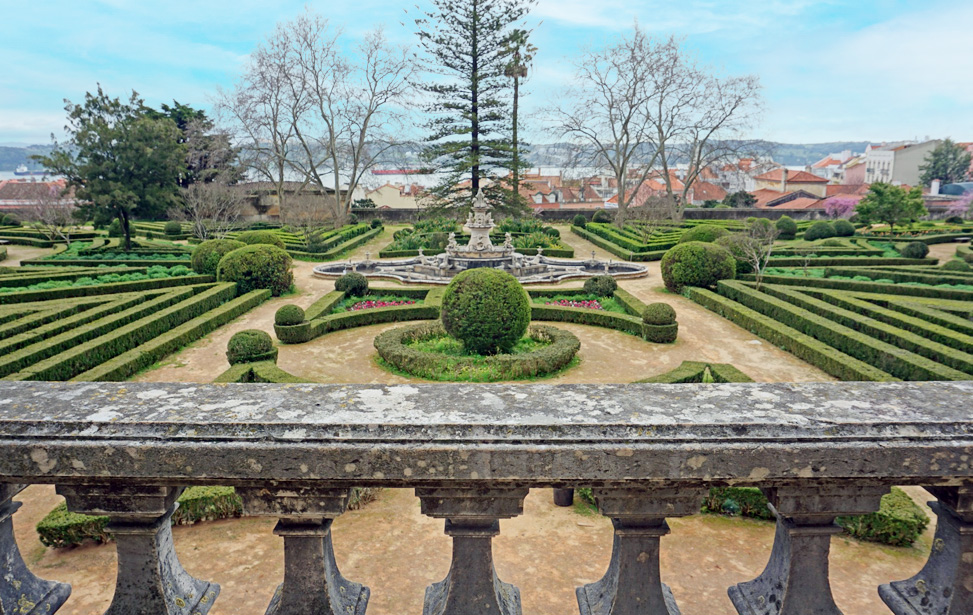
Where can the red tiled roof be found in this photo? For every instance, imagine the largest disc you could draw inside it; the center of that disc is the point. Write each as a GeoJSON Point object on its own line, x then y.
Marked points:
{"type": "Point", "coordinates": [705, 191]}
{"type": "Point", "coordinates": [826, 162]}
{"type": "Point", "coordinates": [793, 177]}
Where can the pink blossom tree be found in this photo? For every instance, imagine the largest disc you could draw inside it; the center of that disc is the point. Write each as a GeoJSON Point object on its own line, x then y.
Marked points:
{"type": "Point", "coordinates": [839, 207]}
{"type": "Point", "coordinates": [963, 208]}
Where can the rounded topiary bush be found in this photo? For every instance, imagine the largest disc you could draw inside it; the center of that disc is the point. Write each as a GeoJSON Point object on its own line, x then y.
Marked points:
{"type": "Point", "coordinates": [819, 230]}
{"type": "Point", "coordinates": [787, 227]}
{"type": "Point", "coordinates": [289, 315]}
{"type": "Point", "coordinates": [704, 232]}
{"type": "Point", "coordinates": [375, 223]}
{"type": "Point", "coordinates": [658, 314]}
{"type": "Point", "coordinates": [601, 286]}
{"type": "Point", "coordinates": [115, 228]}
{"type": "Point", "coordinates": [843, 228]}
{"type": "Point", "coordinates": [579, 220]}
{"type": "Point", "coordinates": [257, 266]}
{"type": "Point", "coordinates": [207, 255]}
{"type": "Point", "coordinates": [172, 228]}
{"type": "Point", "coordinates": [696, 264]}
{"type": "Point", "coordinates": [734, 247]}
{"type": "Point", "coordinates": [954, 220]}
{"type": "Point", "coordinates": [601, 216]}
{"type": "Point", "coordinates": [833, 243]}
{"type": "Point", "coordinates": [250, 345]}
{"type": "Point", "coordinates": [9, 220]}
{"type": "Point", "coordinates": [552, 232]}
{"type": "Point", "coordinates": [486, 309]}
{"type": "Point", "coordinates": [915, 249]}
{"type": "Point", "coordinates": [956, 265]}
{"type": "Point", "coordinates": [260, 237]}
{"type": "Point", "coordinates": [352, 284]}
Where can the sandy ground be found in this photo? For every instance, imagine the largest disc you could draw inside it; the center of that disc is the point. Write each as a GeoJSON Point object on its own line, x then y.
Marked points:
{"type": "Point", "coordinates": [16, 253]}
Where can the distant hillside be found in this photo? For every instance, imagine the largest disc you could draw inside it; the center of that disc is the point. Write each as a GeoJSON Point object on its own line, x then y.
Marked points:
{"type": "Point", "coordinates": [13, 157]}
{"type": "Point", "coordinates": [793, 154]}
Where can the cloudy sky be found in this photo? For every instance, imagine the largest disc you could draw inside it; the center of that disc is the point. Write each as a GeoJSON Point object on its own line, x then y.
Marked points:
{"type": "Point", "coordinates": [831, 69]}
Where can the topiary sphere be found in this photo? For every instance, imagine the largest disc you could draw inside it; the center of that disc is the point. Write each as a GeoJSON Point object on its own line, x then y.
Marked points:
{"type": "Point", "coordinates": [289, 315]}
{"type": "Point", "coordinates": [955, 265]}
{"type": "Point", "coordinates": [375, 223]}
{"type": "Point", "coordinates": [601, 216]}
{"type": "Point", "coordinates": [658, 314]}
{"type": "Point", "coordinates": [550, 231]}
{"type": "Point", "coordinates": [787, 227]}
{"type": "Point", "coordinates": [257, 266]}
{"type": "Point", "coordinates": [352, 284]}
{"type": "Point", "coordinates": [172, 228]}
{"type": "Point", "coordinates": [704, 232]}
{"type": "Point", "coordinates": [580, 221]}
{"type": "Point", "coordinates": [843, 228]}
{"type": "Point", "coordinates": [261, 237]}
{"type": "Point", "coordinates": [486, 309]}
{"type": "Point", "coordinates": [249, 345]}
{"type": "Point", "coordinates": [953, 220]}
{"type": "Point", "coordinates": [601, 286]}
{"type": "Point", "coordinates": [696, 264]}
{"type": "Point", "coordinates": [819, 230]}
{"type": "Point", "coordinates": [915, 249]}
{"type": "Point", "coordinates": [207, 255]}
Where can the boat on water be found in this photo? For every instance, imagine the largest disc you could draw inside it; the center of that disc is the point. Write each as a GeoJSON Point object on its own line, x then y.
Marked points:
{"type": "Point", "coordinates": [23, 170]}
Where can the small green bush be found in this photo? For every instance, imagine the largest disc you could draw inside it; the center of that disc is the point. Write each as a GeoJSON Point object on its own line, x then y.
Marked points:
{"type": "Point", "coordinates": [658, 314]}
{"type": "Point", "coordinates": [261, 237]}
{"type": "Point", "coordinates": [580, 220]}
{"type": "Point", "coordinates": [956, 265]}
{"type": "Point", "coordinates": [353, 284]}
{"type": "Point", "coordinates": [601, 286]}
{"type": "Point", "coordinates": [552, 232]}
{"type": "Point", "coordinates": [954, 220]}
{"type": "Point", "coordinates": [602, 217]}
{"type": "Point", "coordinates": [352, 218]}
{"type": "Point", "coordinates": [257, 266]}
{"type": "Point", "coordinates": [745, 501]}
{"type": "Point", "coordinates": [820, 230]}
{"type": "Point", "coordinates": [915, 249]}
{"type": "Point", "coordinates": [696, 264]}
{"type": "Point", "coordinates": [898, 521]}
{"type": "Point", "coordinates": [707, 233]}
{"type": "Point", "coordinates": [250, 345]}
{"type": "Point", "coordinates": [486, 309]}
{"type": "Point", "coordinates": [734, 247]}
{"type": "Point", "coordinates": [833, 243]}
{"type": "Point", "coordinates": [375, 223]}
{"type": "Point", "coordinates": [787, 227]}
{"type": "Point", "coordinates": [9, 220]}
{"type": "Point", "coordinates": [844, 228]}
{"type": "Point", "coordinates": [172, 228]}
{"type": "Point", "coordinates": [207, 255]}
{"type": "Point", "coordinates": [289, 315]}
{"type": "Point", "coordinates": [115, 228]}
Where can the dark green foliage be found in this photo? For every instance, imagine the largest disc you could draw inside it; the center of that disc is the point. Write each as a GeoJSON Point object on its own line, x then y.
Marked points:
{"type": "Point", "coordinates": [968, 257]}
{"type": "Point", "coordinates": [3, 253]}
{"type": "Point", "coordinates": [948, 162]}
{"type": "Point", "coordinates": [115, 228]}
{"type": "Point", "coordinates": [739, 199]}
{"type": "Point", "coordinates": [289, 315]}
{"type": "Point", "coordinates": [696, 264]}
{"type": "Point", "coordinates": [898, 522]}
{"type": "Point", "coordinates": [660, 334]}
{"type": "Point", "coordinates": [954, 220]}
{"type": "Point", "coordinates": [258, 371]}
{"type": "Point", "coordinates": [602, 216]}
{"type": "Point", "coordinates": [915, 249]}
{"type": "Point", "coordinates": [261, 237]}
{"type": "Point", "coordinates": [9, 220]}
{"type": "Point", "coordinates": [601, 285]}
{"type": "Point", "coordinates": [172, 228]}
{"type": "Point", "coordinates": [248, 346]}
{"type": "Point", "coordinates": [787, 227]}
{"type": "Point", "coordinates": [735, 247]}
{"type": "Point", "coordinates": [820, 230]}
{"type": "Point", "coordinates": [833, 243]}
{"type": "Point", "coordinates": [704, 232]}
{"type": "Point", "coordinates": [552, 232]}
{"type": "Point", "coordinates": [843, 228]}
{"type": "Point", "coordinates": [375, 223]}
{"type": "Point", "coordinates": [257, 266]}
{"type": "Point", "coordinates": [891, 205]}
{"type": "Point", "coordinates": [486, 309]}
{"type": "Point", "coordinates": [658, 314]}
{"type": "Point", "coordinates": [207, 255]}
{"type": "Point", "coordinates": [596, 318]}
{"type": "Point", "coordinates": [579, 221]}
{"type": "Point", "coordinates": [745, 501]}
{"type": "Point", "coordinates": [695, 371]}
{"type": "Point", "coordinates": [952, 265]}
{"type": "Point", "coordinates": [353, 284]}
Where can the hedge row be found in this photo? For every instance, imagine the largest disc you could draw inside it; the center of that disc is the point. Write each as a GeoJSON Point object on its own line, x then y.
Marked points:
{"type": "Point", "coordinates": [805, 347]}
{"type": "Point", "coordinates": [694, 371]}
{"type": "Point", "coordinates": [901, 276]}
{"type": "Point", "coordinates": [934, 316]}
{"type": "Point", "coordinates": [88, 262]}
{"type": "Point", "coordinates": [102, 289]}
{"type": "Point", "coordinates": [260, 371]}
{"type": "Point", "coordinates": [926, 239]}
{"type": "Point", "coordinates": [866, 287]}
{"type": "Point", "coordinates": [61, 528]}
{"type": "Point", "coordinates": [900, 363]}
{"type": "Point", "coordinates": [630, 241]}
{"type": "Point", "coordinates": [144, 355]}
{"type": "Point", "coordinates": [864, 261]}
{"type": "Point", "coordinates": [339, 249]}
{"type": "Point", "coordinates": [582, 316]}
{"type": "Point", "coordinates": [26, 241]}
{"type": "Point", "coordinates": [617, 250]}
{"type": "Point", "coordinates": [564, 252]}
{"type": "Point", "coordinates": [27, 277]}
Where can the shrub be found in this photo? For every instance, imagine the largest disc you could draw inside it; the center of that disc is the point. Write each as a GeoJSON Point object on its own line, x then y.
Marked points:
{"type": "Point", "coordinates": [844, 228]}
{"type": "Point", "coordinates": [289, 315]}
{"type": "Point", "coordinates": [898, 521]}
{"type": "Point", "coordinates": [833, 243]}
{"type": "Point", "coordinates": [352, 218]}
{"type": "Point", "coordinates": [820, 230]}
{"type": "Point", "coordinates": [955, 265]}
{"type": "Point", "coordinates": [353, 284]}
{"type": "Point", "coordinates": [787, 227]}
{"type": "Point", "coordinates": [735, 248]}
{"type": "Point", "coordinates": [250, 345]}
{"type": "Point", "coordinates": [601, 286]}
{"type": "Point", "coordinates": [696, 264]}
{"type": "Point", "coordinates": [552, 232]}
{"type": "Point", "coordinates": [915, 249]}
{"type": "Point", "coordinates": [704, 232]}
{"type": "Point", "coordinates": [745, 501]}
{"type": "Point", "coordinates": [207, 255]}
{"type": "Point", "coordinates": [658, 314]}
{"type": "Point", "coordinates": [968, 257]}
{"type": "Point", "coordinates": [9, 220]}
{"type": "Point", "coordinates": [486, 309]}
{"type": "Point", "coordinates": [954, 220]}
{"type": "Point", "coordinates": [172, 228]}
{"type": "Point", "coordinates": [261, 237]}
{"type": "Point", "coordinates": [375, 223]}
{"type": "Point", "coordinates": [115, 228]}
{"type": "Point", "coordinates": [580, 220]}
{"type": "Point", "coordinates": [602, 216]}
{"type": "Point", "coordinates": [257, 266]}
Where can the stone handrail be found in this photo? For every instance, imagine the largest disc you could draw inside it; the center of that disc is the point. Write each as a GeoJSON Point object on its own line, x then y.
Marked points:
{"type": "Point", "coordinates": [472, 452]}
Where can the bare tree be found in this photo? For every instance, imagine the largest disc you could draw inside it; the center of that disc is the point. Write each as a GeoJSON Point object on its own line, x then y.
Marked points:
{"type": "Point", "coordinates": [305, 212]}
{"type": "Point", "coordinates": [212, 208]}
{"type": "Point", "coordinates": [53, 212]}
{"type": "Point", "coordinates": [754, 245]}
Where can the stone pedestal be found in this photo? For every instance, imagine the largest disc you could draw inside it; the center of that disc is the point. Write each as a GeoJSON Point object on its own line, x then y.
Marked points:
{"type": "Point", "coordinates": [20, 591]}
{"type": "Point", "coordinates": [312, 585]}
{"type": "Point", "coordinates": [944, 586]}
{"type": "Point", "coordinates": [795, 581]}
{"type": "Point", "coordinates": [472, 520]}
{"type": "Point", "coordinates": [150, 580]}
{"type": "Point", "coordinates": [632, 585]}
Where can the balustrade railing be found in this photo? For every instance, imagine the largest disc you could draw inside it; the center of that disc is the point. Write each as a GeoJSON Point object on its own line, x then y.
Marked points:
{"type": "Point", "coordinates": [472, 453]}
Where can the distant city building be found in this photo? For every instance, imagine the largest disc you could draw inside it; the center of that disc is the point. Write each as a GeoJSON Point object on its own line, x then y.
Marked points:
{"type": "Point", "coordinates": [896, 163]}
{"type": "Point", "coordinates": [785, 180]}
{"type": "Point", "coordinates": [20, 195]}
{"type": "Point", "coordinates": [393, 196]}
{"type": "Point", "coordinates": [832, 165]}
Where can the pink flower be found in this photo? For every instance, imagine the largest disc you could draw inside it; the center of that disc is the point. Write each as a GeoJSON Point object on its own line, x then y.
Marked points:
{"type": "Point", "coordinates": [366, 305]}
{"type": "Point", "coordinates": [590, 305]}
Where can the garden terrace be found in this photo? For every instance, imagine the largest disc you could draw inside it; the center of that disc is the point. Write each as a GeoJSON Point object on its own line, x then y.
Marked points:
{"type": "Point", "coordinates": [472, 453]}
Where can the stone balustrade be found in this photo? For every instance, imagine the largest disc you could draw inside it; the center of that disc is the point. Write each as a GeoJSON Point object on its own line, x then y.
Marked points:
{"type": "Point", "coordinates": [472, 452]}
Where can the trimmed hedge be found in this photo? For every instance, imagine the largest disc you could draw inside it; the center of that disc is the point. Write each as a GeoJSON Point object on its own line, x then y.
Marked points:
{"type": "Point", "coordinates": [582, 316]}
{"type": "Point", "coordinates": [696, 264]}
{"type": "Point", "coordinates": [820, 230]}
{"type": "Point", "coordinates": [745, 501]}
{"type": "Point", "coordinates": [289, 315]}
{"type": "Point", "coordinates": [101, 289]}
{"type": "Point", "coordinates": [868, 287]}
{"type": "Point", "coordinates": [261, 238]}
{"type": "Point", "coordinates": [250, 346]}
{"type": "Point", "coordinates": [693, 371]}
{"type": "Point", "coordinates": [3, 253]}
{"type": "Point", "coordinates": [629, 255]}
{"type": "Point", "coordinates": [260, 371]}
{"type": "Point", "coordinates": [207, 255]}
{"type": "Point", "coordinates": [705, 233]}
{"type": "Point", "coordinates": [340, 248]}
{"type": "Point", "coordinates": [787, 227]}
{"type": "Point", "coordinates": [353, 284]}
{"type": "Point", "coordinates": [601, 285]}
{"type": "Point", "coordinates": [257, 266]}
{"type": "Point", "coordinates": [486, 309]}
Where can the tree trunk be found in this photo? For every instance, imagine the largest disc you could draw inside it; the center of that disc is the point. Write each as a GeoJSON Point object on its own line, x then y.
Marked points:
{"type": "Point", "coordinates": [127, 231]}
{"type": "Point", "coordinates": [516, 152]}
{"type": "Point", "coordinates": [474, 110]}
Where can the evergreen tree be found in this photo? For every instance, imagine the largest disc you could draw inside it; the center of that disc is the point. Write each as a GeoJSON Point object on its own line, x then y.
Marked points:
{"type": "Point", "coordinates": [210, 156]}
{"type": "Point", "coordinates": [891, 205]}
{"type": "Point", "coordinates": [948, 162]}
{"type": "Point", "coordinates": [468, 46]}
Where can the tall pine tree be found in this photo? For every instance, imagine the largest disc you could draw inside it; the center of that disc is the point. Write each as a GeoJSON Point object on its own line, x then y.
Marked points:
{"type": "Point", "coordinates": [467, 45]}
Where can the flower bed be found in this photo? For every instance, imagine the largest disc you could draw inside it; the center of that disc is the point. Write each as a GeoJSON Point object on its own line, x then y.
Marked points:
{"type": "Point", "coordinates": [367, 305]}
{"type": "Point", "coordinates": [590, 305]}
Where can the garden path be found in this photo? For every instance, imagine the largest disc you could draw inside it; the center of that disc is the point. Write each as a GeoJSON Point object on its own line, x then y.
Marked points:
{"type": "Point", "coordinates": [16, 253]}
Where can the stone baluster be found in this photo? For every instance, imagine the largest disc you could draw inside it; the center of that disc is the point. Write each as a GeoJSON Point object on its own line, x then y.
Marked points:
{"type": "Point", "coordinates": [632, 585]}
{"type": "Point", "coordinates": [795, 581]}
{"type": "Point", "coordinates": [20, 590]}
{"type": "Point", "coordinates": [150, 579]}
{"type": "Point", "coordinates": [472, 519]}
{"type": "Point", "coordinates": [944, 586]}
{"type": "Point", "coordinates": [312, 583]}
